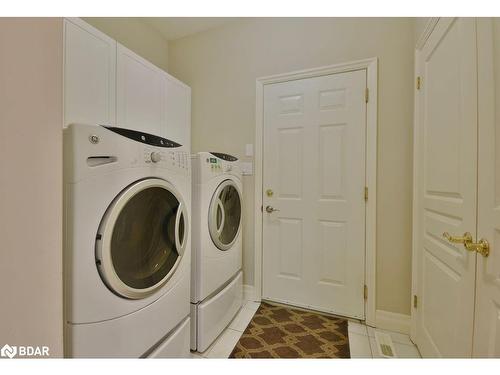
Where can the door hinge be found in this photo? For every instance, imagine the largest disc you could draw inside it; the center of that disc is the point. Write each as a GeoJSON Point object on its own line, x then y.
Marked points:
{"type": "Point", "coordinates": [415, 301]}
{"type": "Point", "coordinates": [419, 83]}
{"type": "Point", "coordinates": [365, 292]}
{"type": "Point", "coordinates": [367, 95]}
{"type": "Point", "coordinates": [366, 193]}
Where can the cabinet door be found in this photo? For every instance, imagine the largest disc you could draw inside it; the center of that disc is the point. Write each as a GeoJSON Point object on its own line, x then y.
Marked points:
{"type": "Point", "coordinates": [178, 112]}
{"type": "Point", "coordinates": [487, 315]}
{"type": "Point", "coordinates": [140, 94]}
{"type": "Point", "coordinates": [446, 170]}
{"type": "Point", "coordinates": [89, 75]}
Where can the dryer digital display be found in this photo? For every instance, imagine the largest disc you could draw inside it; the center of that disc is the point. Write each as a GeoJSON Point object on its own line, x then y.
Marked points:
{"type": "Point", "coordinates": [225, 157]}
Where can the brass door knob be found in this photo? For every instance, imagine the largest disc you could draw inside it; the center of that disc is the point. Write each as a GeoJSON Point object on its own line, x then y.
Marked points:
{"type": "Point", "coordinates": [466, 238]}
{"type": "Point", "coordinates": [482, 247]}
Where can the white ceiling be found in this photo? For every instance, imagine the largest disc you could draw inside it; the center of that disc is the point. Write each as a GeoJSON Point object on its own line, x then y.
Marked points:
{"type": "Point", "coordinates": [179, 27]}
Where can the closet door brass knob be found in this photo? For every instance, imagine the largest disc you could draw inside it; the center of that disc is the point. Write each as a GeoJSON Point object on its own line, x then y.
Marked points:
{"type": "Point", "coordinates": [466, 238]}
{"type": "Point", "coordinates": [482, 247]}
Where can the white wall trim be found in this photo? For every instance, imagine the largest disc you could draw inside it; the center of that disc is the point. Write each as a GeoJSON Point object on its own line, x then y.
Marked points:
{"type": "Point", "coordinates": [416, 201]}
{"type": "Point", "coordinates": [371, 67]}
{"type": "Point", "coordinates": [431, 23]}
{"type": "Point", "coordinates": [393, 321]}
{"type": "Point", "coordinates": [249, 293]}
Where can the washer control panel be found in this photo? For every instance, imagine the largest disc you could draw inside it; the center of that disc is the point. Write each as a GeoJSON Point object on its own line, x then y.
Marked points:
{"type": "Point", "coordinates": [166, 158]}
{"type": "Point", "coordinates": [155, 156]}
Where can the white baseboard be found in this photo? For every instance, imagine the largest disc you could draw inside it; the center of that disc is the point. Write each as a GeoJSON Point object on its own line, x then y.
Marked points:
{"type": "Point", "coordinates": [393, 321]}
{"type": "Point", "coordinates": [249, 293]}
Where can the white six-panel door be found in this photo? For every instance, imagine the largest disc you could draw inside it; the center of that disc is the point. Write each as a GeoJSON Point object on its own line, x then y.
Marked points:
{"type": "Point", "coordinates": [487, 317]}
{"type": "Point", "coordinates": [447, 170]}
{"type": "Point", "coordinates": [314, 179]}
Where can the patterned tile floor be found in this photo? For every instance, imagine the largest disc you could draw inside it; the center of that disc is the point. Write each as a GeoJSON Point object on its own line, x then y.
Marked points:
{"type": "Point", "coordinates": [361, 338]}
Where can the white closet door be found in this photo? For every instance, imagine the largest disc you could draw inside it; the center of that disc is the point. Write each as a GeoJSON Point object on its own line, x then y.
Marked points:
{"type": "Point", "coordinates": [314, 150]}
{"type": "Point", "coordinates": [447, 170]}
{"type": "Point", "coordinates": [487, 319]}
{"type": "Point", "coordinates": [89, 75]}
{"type": "Point", "coordinates": [140, 94]}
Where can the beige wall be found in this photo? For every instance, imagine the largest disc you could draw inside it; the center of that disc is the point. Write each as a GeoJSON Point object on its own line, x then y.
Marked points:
{"type": "Point", "coordinates": [221, 66]}
{"type": "Point", "coordinates": [31, 183]}
{"type": "Point", "coordinates": [135, 35]}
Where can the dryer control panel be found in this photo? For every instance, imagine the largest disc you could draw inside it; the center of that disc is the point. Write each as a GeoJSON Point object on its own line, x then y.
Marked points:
{"type": "Point", "coordinates": [207, 165]}
{"type": "Point", "coordinates": [214, 164]}
{"type": "Point", "coordinates": [218, 165]}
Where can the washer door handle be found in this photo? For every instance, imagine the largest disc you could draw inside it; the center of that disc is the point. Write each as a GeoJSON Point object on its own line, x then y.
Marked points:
{"type": "Point", "coordinates": [178, 243]}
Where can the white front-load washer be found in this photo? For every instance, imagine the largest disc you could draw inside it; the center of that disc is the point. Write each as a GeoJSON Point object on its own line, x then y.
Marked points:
{"type": "Point", "coordinates": [217, 279]}
{"type": "Point", "coordinates": [127, 250]}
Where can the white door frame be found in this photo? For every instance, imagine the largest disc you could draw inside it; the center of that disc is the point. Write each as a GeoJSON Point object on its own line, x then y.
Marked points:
{"type": "Point", "coordinates": [371, 67]}
{"type": "Point", "coordinates": [429, 27]}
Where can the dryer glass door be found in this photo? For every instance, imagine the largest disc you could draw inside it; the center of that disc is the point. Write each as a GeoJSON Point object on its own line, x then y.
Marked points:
{"type": "Point", "coordinates": [225, 215]}
{"type": "Point", "coordinates": [143, 238]}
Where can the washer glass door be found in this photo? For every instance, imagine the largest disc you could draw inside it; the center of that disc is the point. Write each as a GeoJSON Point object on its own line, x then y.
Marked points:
{"type": "Point", "coordinates": [225, 215]}
{"type": "Point", "coordinates": [142, 238]}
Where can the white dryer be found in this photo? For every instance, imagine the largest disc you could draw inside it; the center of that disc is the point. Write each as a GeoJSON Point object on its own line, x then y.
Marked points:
{"type": "Point", "coordinates": [127, 249]}
{"type": "Point", "coordinates": [217, 280]}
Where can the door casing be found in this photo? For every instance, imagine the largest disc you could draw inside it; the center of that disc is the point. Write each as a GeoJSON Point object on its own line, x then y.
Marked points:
{"type": "Point", "coordinates": [371, 67]}
{"type": "Point", "coordinates": [429, 27]}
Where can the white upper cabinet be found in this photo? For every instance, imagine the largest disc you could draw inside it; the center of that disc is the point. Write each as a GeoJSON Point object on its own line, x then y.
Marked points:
{"type": "Point", "coordinates": [140, 94]}
{"type": "Point", "coordinates": [178, 112]}
{"type": "Point", "coordinates": [89, 75]}
{"type": "Point", "coordinates": [150, 100]}
{"type": "Point", "coordinates": [107, 84]}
